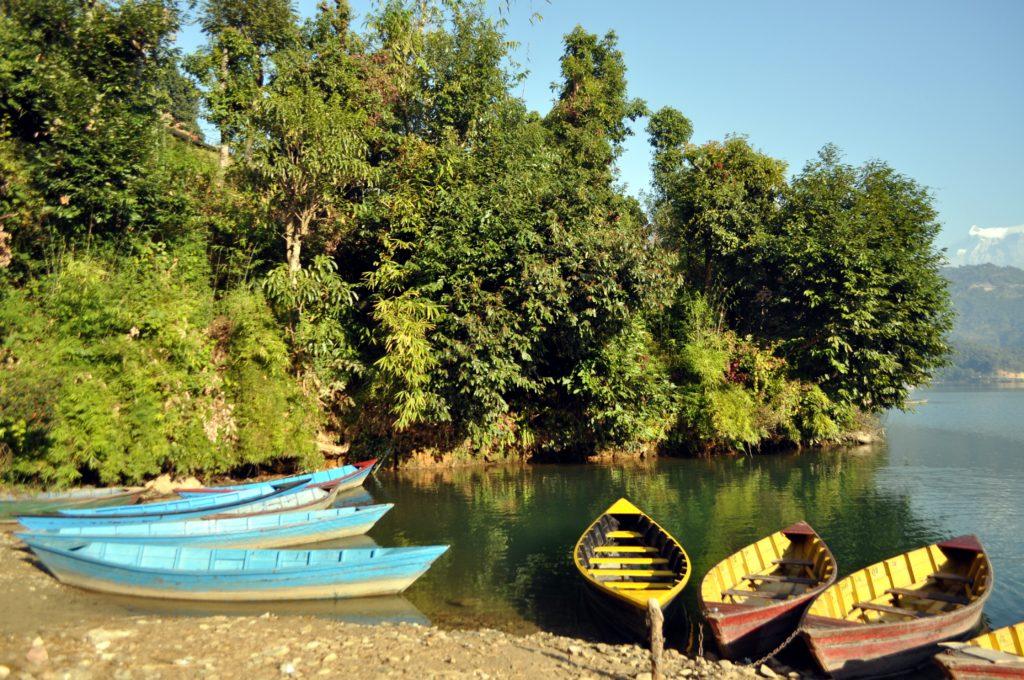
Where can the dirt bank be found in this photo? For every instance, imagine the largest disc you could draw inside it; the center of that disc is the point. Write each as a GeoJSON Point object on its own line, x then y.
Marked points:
{"type": "Point", "coordinates": [48, 630]}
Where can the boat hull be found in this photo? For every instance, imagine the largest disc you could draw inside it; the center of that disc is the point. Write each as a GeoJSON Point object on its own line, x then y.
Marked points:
{"type": "Point", "coordinates": [325, 480]}
{"type": "Point", "coordinates": [372, 572]}
{"type": "Point", "coordinates": [11, 508]}
{"type": "Point", "coordinates": [300, 499]}
{"type": "Point", "coordinates": [959, 667]}
{"type": "Point", "coordinates": [275, 531]}
{"type": "Point", "coordinates": [626, 621]}
{"type": "Point", "coordinates": [752, 628]}
{"type": "Point", "coordinates": [851, 650]}
{"type": "Point", "coordinates": [751, 632]}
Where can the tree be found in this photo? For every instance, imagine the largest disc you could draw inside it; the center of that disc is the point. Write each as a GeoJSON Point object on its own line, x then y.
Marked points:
{"type": "Point", "coordinates": [855, 293]}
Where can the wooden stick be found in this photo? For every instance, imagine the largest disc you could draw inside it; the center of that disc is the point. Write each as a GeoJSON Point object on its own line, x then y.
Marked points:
{"type": "Point", "coordinates": [655, 619]}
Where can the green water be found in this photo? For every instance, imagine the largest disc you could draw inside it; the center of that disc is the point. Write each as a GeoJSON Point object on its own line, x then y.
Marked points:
{"type": "Point", "coordinates": [955, 466]}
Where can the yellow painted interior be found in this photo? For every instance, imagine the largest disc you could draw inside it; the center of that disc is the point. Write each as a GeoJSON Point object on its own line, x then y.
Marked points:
{"type": "Point", "coordinates": [918, 570]}
{"type": "Point", "coordinates": [623, 557]}
{"type": "Point", "coordinates": [1009, 639]}
{"type": "Point", "coordinates": [728, 578]}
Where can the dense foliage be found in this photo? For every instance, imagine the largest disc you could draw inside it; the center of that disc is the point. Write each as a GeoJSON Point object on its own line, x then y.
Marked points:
{"type": "Point", "coordinates": [391, 253]}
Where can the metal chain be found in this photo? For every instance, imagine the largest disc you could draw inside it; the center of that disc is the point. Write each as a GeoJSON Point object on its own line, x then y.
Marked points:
{"type": "Point", "coordinates": [775, 651]}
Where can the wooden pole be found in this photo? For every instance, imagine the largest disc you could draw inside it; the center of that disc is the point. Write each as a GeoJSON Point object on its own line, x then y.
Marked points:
{"type": "Point", "coordinates": [655, 620]}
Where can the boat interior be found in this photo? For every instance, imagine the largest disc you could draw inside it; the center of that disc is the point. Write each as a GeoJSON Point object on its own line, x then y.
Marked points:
{"type": "Point", "coordinates": [1009, 640]}
{"type": "Point", "coordinates": [931, 580]}
{"type": "Point", "coordinates": [628, 553]}
{"type": "Point", "coordinates": [782, 566]}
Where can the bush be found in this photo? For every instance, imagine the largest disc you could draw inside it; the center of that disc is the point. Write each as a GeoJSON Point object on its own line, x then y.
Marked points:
{"type": "Point", "coordinates": [111, 374]}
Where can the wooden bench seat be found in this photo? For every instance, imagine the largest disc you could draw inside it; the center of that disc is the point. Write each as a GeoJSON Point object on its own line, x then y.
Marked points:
{"type": "Point", "coordinates": [624, 534]}
{"type": "Point", "coordinates": [629, 560]}
{"type": "Point", "coordinates": [625, 549]}
{"type": "Point", "coordinates": [639, 585]}
{"type": "Point", "coordinates": [755, 594]}
{"type": "Point", "coordinates": [953, 578]}
{"type": "Point", "coordinates": [781, 578]}
{"type": "Point", "coordinates": [888, 609]}
{"type": "Point", "coordinates": [632, 572]}
{"type": "Point", "coordinates": [928, 595]}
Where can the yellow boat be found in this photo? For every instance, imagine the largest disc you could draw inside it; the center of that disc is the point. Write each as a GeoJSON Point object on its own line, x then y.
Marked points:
{"type": "Point", "coordinates": [626, 559]}
{"type": "Point", "coordinates": [891, 616]}
{"type": "Point", "coordinates": [998, 654]}
{"type": "Point", "coordinates": [754, 598]}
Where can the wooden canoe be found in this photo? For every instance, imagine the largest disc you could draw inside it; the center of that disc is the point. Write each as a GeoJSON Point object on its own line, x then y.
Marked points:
{"type": "Point", "coordinates": [990, 656]}
{"type": "Point", "coordinates": [342, 478]}
{"type": "Point", "coordinates": [187, 573]}
{"type": "Point", "coordinates": [626, 559]}
{"type": "Point", "coordinates": [14, 504]}
{"type": "Point", "coordinates": [753, 599]}
{"type": "Point", "coordinates": [889, 617]}
{"type": "Point", "coordinates": [247, 502]}
{"type": "Point", "coordinates": [254, 531]}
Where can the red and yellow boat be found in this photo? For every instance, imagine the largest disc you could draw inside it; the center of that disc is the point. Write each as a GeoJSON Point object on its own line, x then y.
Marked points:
{"type": "Point", "coordinates": [998, 655]}
{"type": "Point", "coordinates": [891, 616]}
{"type": "Point", "coordinates": [753, 599]}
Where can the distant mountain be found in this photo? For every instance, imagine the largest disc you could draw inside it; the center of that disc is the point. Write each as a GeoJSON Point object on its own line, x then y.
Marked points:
{"type": "Point", "coordinates": [988, 333]}
{"type": "Point", "coordinates": [992, 245]}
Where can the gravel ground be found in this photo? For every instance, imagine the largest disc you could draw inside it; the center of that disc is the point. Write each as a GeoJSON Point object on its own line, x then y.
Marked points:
{"type": "Point", "coordinates": [48, 630]}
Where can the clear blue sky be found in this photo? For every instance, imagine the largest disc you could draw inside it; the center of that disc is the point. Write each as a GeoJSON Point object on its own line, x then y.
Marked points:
{"type": "Point", "coordinates": [935, 88]}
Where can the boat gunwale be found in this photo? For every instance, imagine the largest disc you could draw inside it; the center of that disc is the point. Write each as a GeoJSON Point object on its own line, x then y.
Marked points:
{"type": "Point", "coordinates": [844, 628]}
{"type": "Point", "coordinates": [408, 553]}
{"type": "Point", "coordinates": [342, 513]}
{"type": "Point", "coordinates": [664, 597]}
{"type": "Point", "coordinates": [746, 607]}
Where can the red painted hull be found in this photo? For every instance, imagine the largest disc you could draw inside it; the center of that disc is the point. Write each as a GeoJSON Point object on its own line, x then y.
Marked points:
{"type": "Point", "coordinates": [744, 631]}
{"type": "Point", "coordinates": [960, 667]}
{"type": "Point", "coordinates": [845, 649]}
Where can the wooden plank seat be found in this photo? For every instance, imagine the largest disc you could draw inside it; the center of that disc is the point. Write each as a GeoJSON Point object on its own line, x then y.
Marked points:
{"type": "Point", "coordinates": [928, 595]}
{"type": "Point", "coordinates": [632, 572]}
{"type": "Point", "coordinates": [913, 613]}
{"type": "Point", "coordinates": [953, 578]}
{"type": "Point", "coordinates": [628, 560]}
{"type": "Point", "coordinates": [625, 549]}
{"type": "Point", "coordinates": [624, 534]}
{"type": "Point", "coordinates": [781, 578]}
{"type": "Point", "coordinates": [792, 562]}
{"type": "Point", "coordinates": [732, 592]}
{"type": "Point", "coordinates": [639, 585]}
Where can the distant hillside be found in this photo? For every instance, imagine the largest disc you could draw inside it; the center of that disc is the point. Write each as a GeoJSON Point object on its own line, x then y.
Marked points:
{"type": "Point", "coordinates": [988, 334]}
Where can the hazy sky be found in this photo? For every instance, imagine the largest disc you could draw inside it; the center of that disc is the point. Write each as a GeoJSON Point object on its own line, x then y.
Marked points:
{"type": "Point", "coordinates": [934, 88]}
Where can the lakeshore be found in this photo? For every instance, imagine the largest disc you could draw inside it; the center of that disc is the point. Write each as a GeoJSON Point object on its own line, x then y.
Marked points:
{"type": "Point", "coordinates": [80, 641]}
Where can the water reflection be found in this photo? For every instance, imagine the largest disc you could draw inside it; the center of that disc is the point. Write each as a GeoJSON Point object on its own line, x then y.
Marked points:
{"type": "Point", "coordinates": [512, 529]}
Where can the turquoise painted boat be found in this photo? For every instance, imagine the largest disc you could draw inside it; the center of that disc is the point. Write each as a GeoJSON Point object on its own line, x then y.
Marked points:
{"type": "Point", "coordinates": [255, 531]}
{"type": "Point", "coordinates": [14, 504]}
{"type": "Point", "coordinates": [246, 502]}
{"type": "Point", "coordinates": [186, 573]}
{"type": "Point", "coordinates": [343, 478]}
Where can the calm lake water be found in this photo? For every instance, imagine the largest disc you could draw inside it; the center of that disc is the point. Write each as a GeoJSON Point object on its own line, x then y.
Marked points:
{"type": "Point", "coordinates": [954, 466]}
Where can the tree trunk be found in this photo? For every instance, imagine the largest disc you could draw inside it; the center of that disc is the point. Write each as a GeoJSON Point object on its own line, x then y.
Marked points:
{"type": "Point", "coordinates": [225, 156]}
{"type": "Point", "coordinates": [293, 247]}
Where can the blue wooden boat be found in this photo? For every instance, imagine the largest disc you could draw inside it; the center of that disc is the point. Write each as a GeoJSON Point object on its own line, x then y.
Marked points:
{"type": "Point", "coordinates": [182, 505]}
{"type": "Point", "coordinates": [254, 531]}
{"type": "Point", "coordinates": [248, 502]}
{"type": "Point", "coordinates": [187, 573]}
{"type": "Point", "coordinates": [342, 478]}
{"type": "Point", "coordinates": [14, 504]}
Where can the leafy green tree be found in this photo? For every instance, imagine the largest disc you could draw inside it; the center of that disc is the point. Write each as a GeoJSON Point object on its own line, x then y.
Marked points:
{"type": "Point", "coordinates": [854, 291]}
